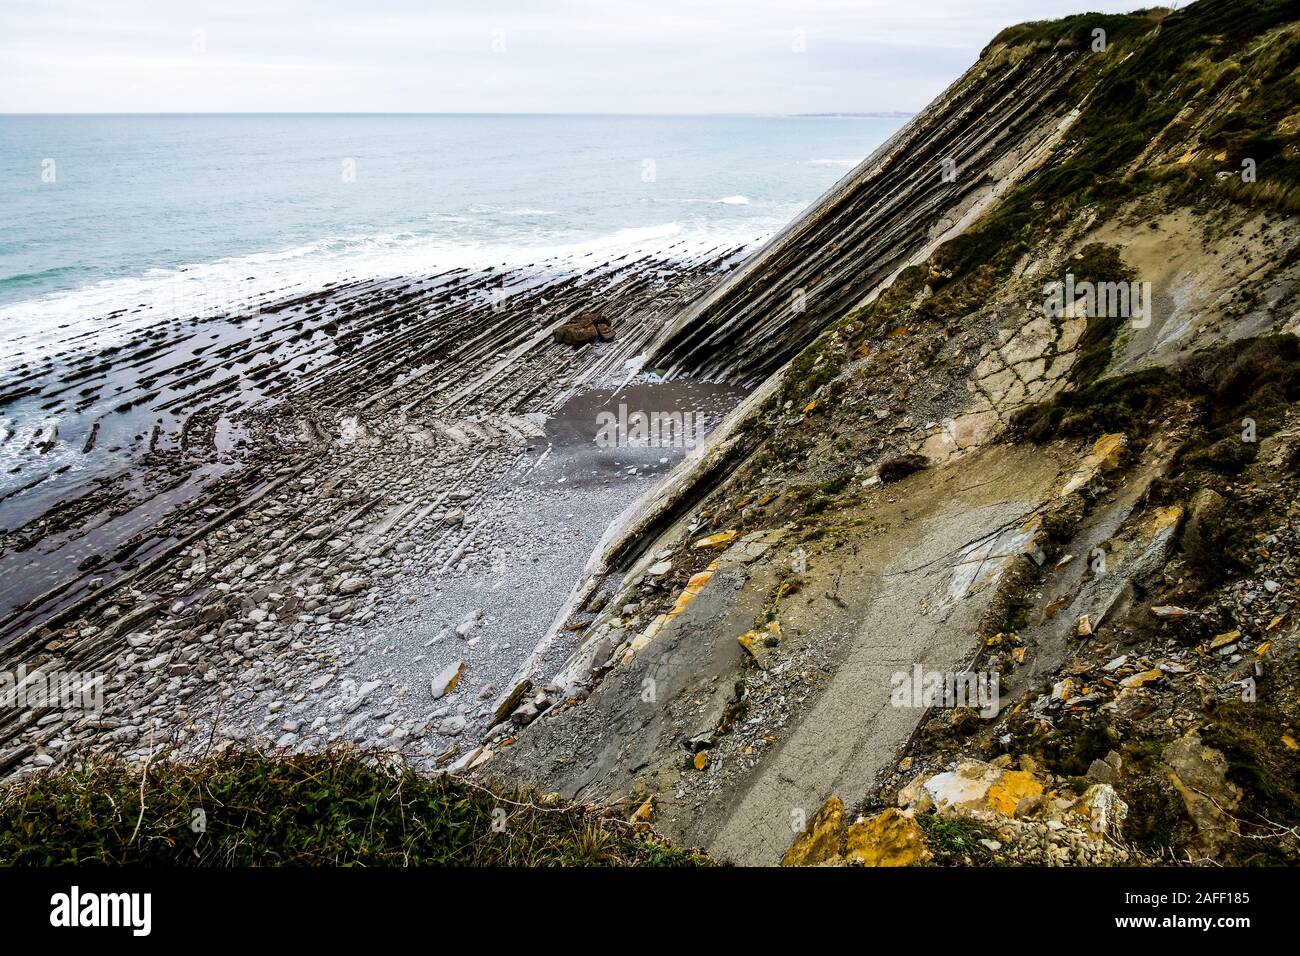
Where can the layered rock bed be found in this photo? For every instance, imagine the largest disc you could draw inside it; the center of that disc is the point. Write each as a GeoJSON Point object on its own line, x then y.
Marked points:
{"type": "Point", "coordinates": [385, 499]}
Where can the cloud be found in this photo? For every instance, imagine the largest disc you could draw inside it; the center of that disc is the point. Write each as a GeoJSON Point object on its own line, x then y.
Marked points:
{"type": "Point", "coordinates": [672, 56]}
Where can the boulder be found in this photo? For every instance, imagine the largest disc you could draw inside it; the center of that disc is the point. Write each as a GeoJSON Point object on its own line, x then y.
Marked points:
{"type": "Point", "coordinates": [760, 644]}
{"type": "Point", "coordinates": [645, 813]}
{"type": "Point", "coordinates": [889, 838]}
{"type": "Point", "coordinates": [1101, 811]}
{"type": "Point", "coordinates": [510, 700]}
{"type": "Point", "coordinates": [583, 329]}
{"type": "Point", "coordinates": [819, 842]}
{"type": "Point", "coordinates": [974, 786]}
{"type": "Point", "coordinates": [447, 680]}
{"type": "Point", "coordinates": [452, 726]}
{"type": "Point", "coordinates": [525, 714]}
{"type": "Point", "coordinates": [1200, 775]}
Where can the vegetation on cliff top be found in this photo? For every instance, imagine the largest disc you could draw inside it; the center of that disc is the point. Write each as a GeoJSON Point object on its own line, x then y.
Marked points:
{"type": "Point", "coordinates": [1178, 102]}
{"type": "Point", "coordinates": [338, 808]}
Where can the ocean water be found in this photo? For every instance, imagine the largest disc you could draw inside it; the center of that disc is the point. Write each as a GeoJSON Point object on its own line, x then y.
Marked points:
{"type": "Point", "coordinates": [106, 216]}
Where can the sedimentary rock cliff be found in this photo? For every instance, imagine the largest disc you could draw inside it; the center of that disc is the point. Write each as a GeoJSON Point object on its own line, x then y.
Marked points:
{"type": "Point", "coordinates": [952, 466]}
{"type": "Point", "coordinates": [992, 128]}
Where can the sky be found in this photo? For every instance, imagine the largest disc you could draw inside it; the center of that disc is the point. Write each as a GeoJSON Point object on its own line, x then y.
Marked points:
{"type": "Point", "coordinates": [527, 56]}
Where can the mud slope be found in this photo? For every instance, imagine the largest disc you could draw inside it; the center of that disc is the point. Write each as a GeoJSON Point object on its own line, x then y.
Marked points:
{"type": "Point", "coordinates": [969, 469]}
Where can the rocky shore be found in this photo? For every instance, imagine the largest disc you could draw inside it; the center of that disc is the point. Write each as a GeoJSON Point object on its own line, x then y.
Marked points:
{"type": "Point", "coordinates": [401, 531]}
{"type": "Point", "coordinates": [377, 513]}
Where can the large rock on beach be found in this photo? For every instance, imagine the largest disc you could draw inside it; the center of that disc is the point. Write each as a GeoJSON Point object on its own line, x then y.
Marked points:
{"type": "Point", "coordinates": [585, 328]}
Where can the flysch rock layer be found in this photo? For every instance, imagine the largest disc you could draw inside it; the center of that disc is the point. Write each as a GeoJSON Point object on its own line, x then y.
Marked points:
{"type": "Point", "coordinates": [769, 690]}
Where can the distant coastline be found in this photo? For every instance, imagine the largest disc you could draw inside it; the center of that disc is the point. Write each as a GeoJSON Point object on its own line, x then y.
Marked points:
{"type": "Point", "coordinates": [889, 114]}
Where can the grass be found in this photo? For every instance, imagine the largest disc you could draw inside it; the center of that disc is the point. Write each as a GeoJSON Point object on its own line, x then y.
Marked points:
{"type": "Point", "coordinates": [1214, 46]}
{"type": "Point", "coordinates": [1211, 395]}
{"type": "Point", "coordinates": [338, 808]}
{"type": "Point", "coordinates": [1077, 31]}
{"type": "Point", "coordinates": [955, 841]}
{"type": "Point", "coordinates": [1253, 378]}
{"type": "Point", "coordinates": [1234, 63]}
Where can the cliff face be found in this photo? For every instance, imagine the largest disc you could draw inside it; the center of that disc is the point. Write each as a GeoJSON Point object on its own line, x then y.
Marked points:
{"type": "Point", "coordinates": [1057, 450]}
{"type": "Point", "coordinates": [923, 186]}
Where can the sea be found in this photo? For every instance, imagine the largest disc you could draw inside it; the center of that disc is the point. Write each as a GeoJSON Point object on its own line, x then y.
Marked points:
{"type": "Point", "coordinates": [112, 221]}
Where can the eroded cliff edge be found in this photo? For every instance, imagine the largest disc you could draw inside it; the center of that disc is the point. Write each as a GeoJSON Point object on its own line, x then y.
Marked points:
{"type": "Point", "coordinates": [965, 469]}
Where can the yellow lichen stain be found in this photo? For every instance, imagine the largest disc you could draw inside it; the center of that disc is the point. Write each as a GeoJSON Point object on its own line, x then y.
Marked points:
{"type": "Point", "coordinates": [820, 839]}
{"type": "Point", "coordinates": [719, 540]}
{"type": "Point", "coordinates": [889, 838]}
{"type": "Point", "coordinates": [1105, 456]}
{"type": "Point", "coordinates": [693, 587]}
{"type": "Point", "coordinates": [1164, 518]}
{"type": "Point", "coordinates": [758, 644]}
{"type": "Point", "coordinates": [1014, 786]}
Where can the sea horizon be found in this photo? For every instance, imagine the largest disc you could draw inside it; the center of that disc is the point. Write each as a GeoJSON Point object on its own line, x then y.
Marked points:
{"type": "Point", "coordinates": [872, 114]}
{"type": "Point", "coordinates": [160, 214]}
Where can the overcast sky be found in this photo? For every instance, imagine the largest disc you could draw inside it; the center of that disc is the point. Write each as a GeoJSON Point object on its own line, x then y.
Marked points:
{"type": "Point", "coordinates": [635, 56]}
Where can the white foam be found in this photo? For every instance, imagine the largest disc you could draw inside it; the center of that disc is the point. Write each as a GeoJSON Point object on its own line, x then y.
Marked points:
{"type": "Point", "coordinates": [235, 285]}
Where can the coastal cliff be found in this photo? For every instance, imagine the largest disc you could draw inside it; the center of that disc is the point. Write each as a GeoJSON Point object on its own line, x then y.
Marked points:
{"type": "Point", "coordinates": [990, 466]}
{"type": "Point", "coordinates": [993, 561]}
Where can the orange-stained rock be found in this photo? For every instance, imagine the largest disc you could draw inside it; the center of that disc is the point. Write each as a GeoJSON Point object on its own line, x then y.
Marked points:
{"type": "Point", "coordinates": [1224, 639]}
{"type": "Point", "coordinates": [693, 587]}
{"type": "Point", "coordinates": [1105, 456]}
{"type": "Point", "coordinates": [889, 838]}
{"type": "Point", "coordinates": [820, 840]}
{"type": "Point", "coordinates": [1142, 678]}
{"type": "Point", "coordinates": [718, 540]}
{"type": "Point", "coordinates": [759, 644]}
{"type": "Point", "coordinates": [1014, 786]}
{"type": "Point", "coordinates": [974, 786]}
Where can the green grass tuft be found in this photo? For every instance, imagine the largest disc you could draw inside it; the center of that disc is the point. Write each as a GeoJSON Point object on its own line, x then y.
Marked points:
{"type": "Point", "coordinates": [338, 808]}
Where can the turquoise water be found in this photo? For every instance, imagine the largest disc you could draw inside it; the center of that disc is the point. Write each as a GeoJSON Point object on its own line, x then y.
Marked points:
{"type": "Point", "coordinates": [106, 213]}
